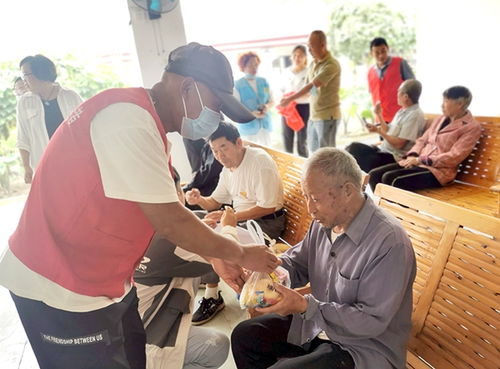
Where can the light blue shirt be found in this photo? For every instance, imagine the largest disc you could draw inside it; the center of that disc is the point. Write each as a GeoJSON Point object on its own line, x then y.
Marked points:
{"type": "Point", "coordinates": [361, 288]}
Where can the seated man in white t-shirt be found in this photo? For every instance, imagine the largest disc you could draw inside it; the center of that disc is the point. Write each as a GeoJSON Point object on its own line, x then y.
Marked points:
{"type": "Point", "coordinates": [251, 183]}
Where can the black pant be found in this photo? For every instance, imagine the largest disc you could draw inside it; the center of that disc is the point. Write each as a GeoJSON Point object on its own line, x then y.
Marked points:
{"type": "Point", "coordinates": [368, 156]}
{"type": "Point", "coordinates": [288, 133]}
{"type": "Point", "coordinates": [193, 151]}
{"type": "Point", "coordinates": [411, 179]}
{"type": "Point", "coordinates": [260, 342]}
{"type": "Point", "coordinates": [109, 338]}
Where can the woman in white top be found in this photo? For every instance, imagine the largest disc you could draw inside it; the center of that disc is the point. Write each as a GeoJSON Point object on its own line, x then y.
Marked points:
{"type": "Point", "coordinates": [295, 78]}
{"type": "Point", "coordinates": [41, 110]}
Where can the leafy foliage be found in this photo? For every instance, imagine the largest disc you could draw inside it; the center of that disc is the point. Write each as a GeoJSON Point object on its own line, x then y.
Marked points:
{"type": "Point", "coordinates": [353, 26]}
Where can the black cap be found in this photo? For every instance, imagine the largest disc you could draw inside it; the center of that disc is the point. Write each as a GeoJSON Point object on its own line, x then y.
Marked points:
{"type": "Point", "coordinates": [210, 66]}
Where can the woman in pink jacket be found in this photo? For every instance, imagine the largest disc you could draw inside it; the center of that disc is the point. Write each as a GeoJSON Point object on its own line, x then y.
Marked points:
{"type": "Point", "coordinates": [434, 159]}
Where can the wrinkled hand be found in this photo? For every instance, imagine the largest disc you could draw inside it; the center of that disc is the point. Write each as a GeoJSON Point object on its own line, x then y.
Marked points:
{"type": "Point", "coordinates": [409, 162]}
{"type": "Point", "coordinates": [291, 302]}
{"type": "Point", "coordinates": [209, 222]}
{"type": "Point", "coordinates": [232, 274]}
{"type": "Point", "coordinates": [228, 217]}
{"type": "Point", "coordinates": [28, 175]}
{"type": "Point", "coordinates": [377, 109]}
{"type": "Point", "coordinates": [214, 215]}
{"type": "Point", "coordinates": [259, 258]}
{"type": "Point", "coordinates": [193, 196]}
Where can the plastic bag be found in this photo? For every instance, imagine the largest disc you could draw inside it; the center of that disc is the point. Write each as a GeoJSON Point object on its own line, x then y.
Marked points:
{"type": "Point", "coordinates": [292, 116]}
{"type": "Point", "coordinates": [259, 291]}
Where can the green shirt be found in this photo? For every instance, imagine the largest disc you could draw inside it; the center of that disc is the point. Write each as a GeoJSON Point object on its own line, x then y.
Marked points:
{"type": "Point", "coordinates": [325, 102]}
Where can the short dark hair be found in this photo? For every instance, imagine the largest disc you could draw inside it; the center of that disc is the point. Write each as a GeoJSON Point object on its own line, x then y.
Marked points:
{"type": "Point", "coordinates": [227, 130]}
{"type": "Point", "coordinates": [301, 48]}
{"type": "Point", "coordinates": [42, 67]}
{"type": "Point", "coordinates": [378, 41]}
{"type": "Point", "coordinates": [459, 93]}
{"type": "Point", "coordinates": [320, 34]}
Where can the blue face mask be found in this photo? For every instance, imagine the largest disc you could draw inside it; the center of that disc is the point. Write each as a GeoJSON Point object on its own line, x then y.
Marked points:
{"type": "Point", "coordinates": [201, 127]}
{"type": "Point", "coordinates": [249, 76]}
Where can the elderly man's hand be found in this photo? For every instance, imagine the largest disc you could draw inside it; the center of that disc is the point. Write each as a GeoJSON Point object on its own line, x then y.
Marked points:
{"type": "Point", "coordinates": [214, 215]}
{"type": "Point", "coordinates": [371, 128]}
{"type": "Point", "coordinates": [291, 302]}
{"type": "Point", "coordinates": [193, 196]}
{"type": "Point", "coordinates": [228, 217]}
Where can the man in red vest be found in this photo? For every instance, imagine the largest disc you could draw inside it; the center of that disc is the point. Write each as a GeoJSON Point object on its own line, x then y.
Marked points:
{"type": "Point", "coordinates": [385, 77]}
{"type": "Point", "coordinates": [101, 190]}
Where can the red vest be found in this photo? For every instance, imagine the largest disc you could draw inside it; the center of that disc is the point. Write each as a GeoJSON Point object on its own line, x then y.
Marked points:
{"type": "Point", "coordinates": [386, 90]}
{"type": "Point", "coordinates": [69, 231]}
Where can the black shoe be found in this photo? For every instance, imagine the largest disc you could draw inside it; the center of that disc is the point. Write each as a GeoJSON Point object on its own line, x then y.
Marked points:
{"type": "Point", "coordinates": [207, 310]}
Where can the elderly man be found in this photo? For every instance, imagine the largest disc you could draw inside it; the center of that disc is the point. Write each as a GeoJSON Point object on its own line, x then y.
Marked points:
{"type": "Point", "coordinates": [399, 136]}
{"type": "Point", "coordinates": [323, 83]}
{"type": "Point", "coordinates": [100, 192]}
{"type": "Point", "coordinates": [360, 265]}
{"type": "Point", "coordinates": [385, 77]}
{"type": "Point", "coordinates": [251, 183]}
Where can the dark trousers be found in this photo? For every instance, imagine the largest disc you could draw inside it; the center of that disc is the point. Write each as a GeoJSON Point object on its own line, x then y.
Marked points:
{"type": "Point", "coordinates": [411, 179]}
{"type": "Point", "coordinates": [262, 343]}
{"type": "Point", "coordinates": [193, 151]}
{"type": "Point", "coordinates": [368, 156]}
{"type": "Point", "coordinates": [289, 134]}
{"type": "Point", "coordinates": [108, 338]}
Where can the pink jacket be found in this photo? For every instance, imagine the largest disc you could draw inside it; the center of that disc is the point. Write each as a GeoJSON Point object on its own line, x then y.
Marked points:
{"type": "Point", "coordinates": [445, 149]}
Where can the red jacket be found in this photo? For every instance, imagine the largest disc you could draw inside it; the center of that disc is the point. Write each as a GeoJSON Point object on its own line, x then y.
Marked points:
{"type": "Point", "coordinates": [386, 90]}
{"type": "Point", "coordinates": [70, 232]}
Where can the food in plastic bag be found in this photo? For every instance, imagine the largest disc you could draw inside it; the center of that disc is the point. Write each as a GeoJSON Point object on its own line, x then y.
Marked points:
{"type": "Point", "coordinates": [280, 248]}
{"type": "Point", "coordinates": [259, 291]}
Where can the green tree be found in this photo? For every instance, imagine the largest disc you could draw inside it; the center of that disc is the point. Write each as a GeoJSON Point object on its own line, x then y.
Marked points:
{"type": "Point", "coordinates": [353, 26]}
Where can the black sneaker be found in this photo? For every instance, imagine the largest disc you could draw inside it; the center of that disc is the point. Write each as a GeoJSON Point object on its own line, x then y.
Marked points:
{"type": "Point", "coordinates": [207, 310]}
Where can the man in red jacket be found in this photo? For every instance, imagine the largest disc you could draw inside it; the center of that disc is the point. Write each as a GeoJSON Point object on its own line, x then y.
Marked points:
{"type": "Point", "coordinates": [385, 77]}
{"type": "Point", "coordinates": [100, 192]}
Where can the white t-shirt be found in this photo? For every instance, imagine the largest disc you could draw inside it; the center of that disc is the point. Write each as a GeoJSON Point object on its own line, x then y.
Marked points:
{"type": "Point", "coordinates": [256, 182]}
{"type": "Point", "coordinates": [294, 82]}
{"type": "Point", "coordinates": [134, 167]}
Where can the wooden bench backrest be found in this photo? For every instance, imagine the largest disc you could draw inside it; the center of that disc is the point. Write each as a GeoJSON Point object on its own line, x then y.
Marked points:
{"type": "Point", "coordinates": [456, 307]}
{"type": "Point", "coordinates": [297, 216]}
{"type": "Point", "coordinates": [482, 166]}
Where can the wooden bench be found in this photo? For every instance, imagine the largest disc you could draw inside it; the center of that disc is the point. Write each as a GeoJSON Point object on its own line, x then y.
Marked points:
{"type": "Point", "coordinates": [477, 186]}
{"type": "Point", "coordinates": [297, 216]}
{"type": "Point", "coordinates": [456, 295]}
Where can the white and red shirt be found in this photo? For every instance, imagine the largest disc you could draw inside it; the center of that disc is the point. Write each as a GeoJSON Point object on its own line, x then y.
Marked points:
{"type": "Point", "coordinates": [82, 233]}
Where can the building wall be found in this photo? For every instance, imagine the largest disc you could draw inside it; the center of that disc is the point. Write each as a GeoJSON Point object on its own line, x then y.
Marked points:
{"type": "Point", "coordinates": [457, 44]}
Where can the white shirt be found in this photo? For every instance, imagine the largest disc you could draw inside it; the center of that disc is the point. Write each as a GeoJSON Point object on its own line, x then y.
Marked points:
{"type": "Point", "coordinates": [255, 182]}
{"type": "Point", "coordinates": [294, 82]}
{"type": "Point", "coordinates": [134, 167]}
{"type": "Point", "coordinates": [32, 133]}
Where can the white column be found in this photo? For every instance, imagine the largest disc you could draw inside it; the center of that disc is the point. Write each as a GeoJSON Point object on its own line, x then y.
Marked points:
{"type": "Point", "coordinates": [154, 40]}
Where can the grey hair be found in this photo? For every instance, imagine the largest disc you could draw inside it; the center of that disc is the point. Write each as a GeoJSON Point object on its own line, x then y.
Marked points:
{"type": "Point", "coordinates": [336, 164]}
{"type": "Point", "coordinates": [412, 88]}
{"type": "Point", "coordinates": [459, 93]}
